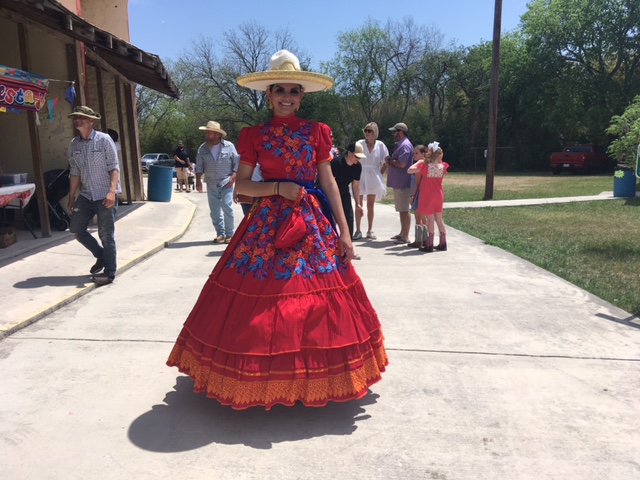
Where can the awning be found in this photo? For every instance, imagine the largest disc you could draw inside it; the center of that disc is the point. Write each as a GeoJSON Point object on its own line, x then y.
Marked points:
{"type": "Point", "coordinates": [136, 65]}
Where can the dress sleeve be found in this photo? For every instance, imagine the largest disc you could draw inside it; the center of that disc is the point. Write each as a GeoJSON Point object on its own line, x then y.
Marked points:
{"type": "Point", "coordinates": [323, 147]}
{"type": "Point", "coordinates": [246, 148]}
{"type": "Point", "coordinates": [383, 150]}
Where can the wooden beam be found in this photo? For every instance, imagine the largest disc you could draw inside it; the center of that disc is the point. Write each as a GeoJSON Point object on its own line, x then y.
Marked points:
{"type": "Point", "coordinates": [123, 144]}
{"type": "Point", "coordinates": [101, 107]}
{"type": "Point", "coordinates": [134, 146]}
{"type": "Point", "coordinates": [34, 136]}
{"type": "Point", "coordinates": [72, 69]}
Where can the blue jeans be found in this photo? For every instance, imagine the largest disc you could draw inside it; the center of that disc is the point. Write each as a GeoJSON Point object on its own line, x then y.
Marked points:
{"type": "Point", "coordinates": [221, 201]}
{"type": "Point", "coordinates": [82, 214]}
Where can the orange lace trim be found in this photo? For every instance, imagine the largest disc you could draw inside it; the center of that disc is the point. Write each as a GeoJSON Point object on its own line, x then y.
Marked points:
{"type": "Point", "coordinates": [240, 394]}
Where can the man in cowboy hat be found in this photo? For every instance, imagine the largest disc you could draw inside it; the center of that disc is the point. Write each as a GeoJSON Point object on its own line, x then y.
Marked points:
{"type": "Point", "coordinates": [218, 160]}
{"type": "Point", "coordinates": [95, 176]}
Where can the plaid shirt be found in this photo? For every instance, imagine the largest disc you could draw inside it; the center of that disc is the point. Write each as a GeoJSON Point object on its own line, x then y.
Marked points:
{"type": "Point", "coordinates": [93, 160]}
{"type": "Point", "coordinates": [217, 171]}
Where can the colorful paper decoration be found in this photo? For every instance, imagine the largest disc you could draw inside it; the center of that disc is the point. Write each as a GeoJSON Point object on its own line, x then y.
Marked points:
{"type": "Point", "coordinates": [22, 90]}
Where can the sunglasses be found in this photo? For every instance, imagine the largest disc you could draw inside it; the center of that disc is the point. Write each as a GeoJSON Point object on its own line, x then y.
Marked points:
{"type": "Point", "coordinates": [368, 130]}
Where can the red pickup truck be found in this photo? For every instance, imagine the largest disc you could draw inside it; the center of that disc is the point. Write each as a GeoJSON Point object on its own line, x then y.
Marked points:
{"type": "Point", "coordinates": [585, 158]}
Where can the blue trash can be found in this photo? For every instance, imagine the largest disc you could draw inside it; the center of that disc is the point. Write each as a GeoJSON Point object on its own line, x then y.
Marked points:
{"type": "Point", "coordinates": [624, 183]}
{"type": "Point", "coordinates": [159, 183]}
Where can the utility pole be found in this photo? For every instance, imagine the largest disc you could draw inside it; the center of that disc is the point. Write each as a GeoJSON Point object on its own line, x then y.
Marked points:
{"type": "Point", "coordinates": [493, 102]}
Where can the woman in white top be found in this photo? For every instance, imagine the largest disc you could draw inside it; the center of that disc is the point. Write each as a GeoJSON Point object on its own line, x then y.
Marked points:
{"type": "Point", "coordinates": [371, 182]}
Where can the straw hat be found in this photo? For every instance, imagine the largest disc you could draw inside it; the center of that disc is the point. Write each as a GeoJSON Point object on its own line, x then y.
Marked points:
{"type": "Point", "coordinates": [83, 111]}
{"type": "Point", "coordinates": [284, 67]}
{"type": "Point", "coordinates": [212, 126]}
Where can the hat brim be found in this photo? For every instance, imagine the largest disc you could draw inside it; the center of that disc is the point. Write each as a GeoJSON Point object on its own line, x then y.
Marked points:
{"type": "Point", "coordinates": [310, 81]}
{"type": "Point", "coordinates": [217, 130]}
{"type": "Point", "coordinates": [95, 117]}
{"type": "Point", "coordinates": [360, 155]}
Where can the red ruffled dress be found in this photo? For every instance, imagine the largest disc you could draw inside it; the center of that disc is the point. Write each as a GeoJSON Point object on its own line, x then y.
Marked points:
{"type": "Point", "coordinates": [431, 199]}
{"type": "Point", "coordinates": [276, 326]}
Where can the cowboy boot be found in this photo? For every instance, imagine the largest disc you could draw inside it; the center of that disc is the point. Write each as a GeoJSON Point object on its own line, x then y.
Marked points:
{"type": "Point", "coordinates": [428, 248]}
{"type": "Point", "coordinates": [418, 241]}
{"type": "Point", "coordinates": [423, 236]}
{"type": "Point", "coordinates": [442, 245]}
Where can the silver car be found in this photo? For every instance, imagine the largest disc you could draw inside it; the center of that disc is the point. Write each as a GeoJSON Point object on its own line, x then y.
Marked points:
{"type": "Point", "coordinates": [159, 159]}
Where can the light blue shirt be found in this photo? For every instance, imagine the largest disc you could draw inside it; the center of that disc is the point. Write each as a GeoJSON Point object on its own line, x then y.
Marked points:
{"type": "Point", "coordinates": [93, 160]}
{"type": "Point", "coordinates": [217, 171]}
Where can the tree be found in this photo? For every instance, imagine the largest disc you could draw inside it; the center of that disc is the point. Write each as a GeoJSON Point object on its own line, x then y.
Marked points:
{"type": "Point", "coordinates": [589, 48]}
{"type": "Point", "coordinates": [626, 128]}
{"type": "Point", "coordinates": [246, 49]}
{"type": "Point", "coordinates": [361, 68]}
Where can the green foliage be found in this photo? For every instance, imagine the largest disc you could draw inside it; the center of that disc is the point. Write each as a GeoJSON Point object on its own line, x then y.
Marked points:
{"type": "Point", "coordinates": [626, 128]}
{"type": "Point", "coordinates": [569, 68]}
{"type": "Point", "coordinates": [588, 52]}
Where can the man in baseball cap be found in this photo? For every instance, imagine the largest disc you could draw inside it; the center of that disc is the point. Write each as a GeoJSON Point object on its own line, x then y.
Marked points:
{"type": "Point", "coordinates": [400, 180]}
{"type": "Point", "coordinates": [399, 126]}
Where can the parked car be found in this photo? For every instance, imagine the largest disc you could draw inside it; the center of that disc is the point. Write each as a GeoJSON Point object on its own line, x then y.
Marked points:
{"type": "Point", "coordinates": [159, 159]}
{"type": "Point", "coordinates": [586, 158]}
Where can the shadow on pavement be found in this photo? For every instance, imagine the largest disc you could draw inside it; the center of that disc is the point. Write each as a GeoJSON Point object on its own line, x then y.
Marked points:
{"type": "Point", "coordinates": [631, 321]}
{"type": "Point", "coordinates": [50, 281]}
{"type": "Point", "coordinates": [189, 420]}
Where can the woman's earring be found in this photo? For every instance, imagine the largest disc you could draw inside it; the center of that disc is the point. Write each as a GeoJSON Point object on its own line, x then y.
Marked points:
{"type": "Point", "coordinates": [270, 105]}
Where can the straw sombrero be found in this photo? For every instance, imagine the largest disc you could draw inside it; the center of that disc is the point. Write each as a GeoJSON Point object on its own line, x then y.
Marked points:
{"type": "Point", "coordinates": [284, 67]}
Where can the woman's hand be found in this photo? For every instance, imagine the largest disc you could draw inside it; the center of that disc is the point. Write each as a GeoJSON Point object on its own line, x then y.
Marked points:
{"type": "Point", "coordinates": [289, 190]}
{"type": "Point", "coordinates": [346, 247]}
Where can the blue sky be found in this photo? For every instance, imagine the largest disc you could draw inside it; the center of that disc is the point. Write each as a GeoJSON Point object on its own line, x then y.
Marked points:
{"type": "Point", "coordinates": [167, 28]}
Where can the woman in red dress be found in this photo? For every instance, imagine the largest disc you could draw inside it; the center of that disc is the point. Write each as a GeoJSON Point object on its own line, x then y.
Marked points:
{"type": "Point", "coordinates": [281, 325]}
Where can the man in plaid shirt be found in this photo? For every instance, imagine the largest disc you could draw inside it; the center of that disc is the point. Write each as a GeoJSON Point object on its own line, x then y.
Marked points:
{"type": "Point", "coordinates": [95, 181]}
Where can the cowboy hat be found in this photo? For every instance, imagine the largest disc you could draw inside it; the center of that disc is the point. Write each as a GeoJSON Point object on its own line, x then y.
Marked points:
{"type": "Point", "coordinates": [83, 111]}
{"type": "Point", "coordinates": [284, 67]}
{"type": "Point", "coordinates": [212, 126]}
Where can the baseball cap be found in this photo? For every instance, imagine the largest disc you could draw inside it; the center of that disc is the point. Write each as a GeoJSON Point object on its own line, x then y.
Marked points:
{"type": "Point", "coordinates": [399, 126]}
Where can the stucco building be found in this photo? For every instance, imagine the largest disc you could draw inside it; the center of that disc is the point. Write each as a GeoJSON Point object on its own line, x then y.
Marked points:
{"type": "Point", "coordinates": [84, 43]}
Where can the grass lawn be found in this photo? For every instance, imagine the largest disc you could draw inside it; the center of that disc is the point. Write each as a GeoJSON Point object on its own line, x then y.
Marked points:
{"type": "Point", "coordinates": [594, 245]}
{"type": "Point", "coordinates": [469, 187]}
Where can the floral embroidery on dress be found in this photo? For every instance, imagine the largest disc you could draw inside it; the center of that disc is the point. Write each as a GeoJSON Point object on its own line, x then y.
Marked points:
{"type": "Point", "coordinates": [295, 147]}
{"type": "Point", "coordinates": [316, 253]}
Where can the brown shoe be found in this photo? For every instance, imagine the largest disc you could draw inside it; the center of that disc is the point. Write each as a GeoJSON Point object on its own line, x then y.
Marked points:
{"type": "Point", "coordinates": [219, 239]}
{"type": "Point", "coordinates": [227, 240]}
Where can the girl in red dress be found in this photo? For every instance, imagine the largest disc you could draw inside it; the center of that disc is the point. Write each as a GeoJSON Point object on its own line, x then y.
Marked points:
{"type": "Point", "coordinates": [280, 325]}
{"type": "Point", "coordinates": [431, 199]}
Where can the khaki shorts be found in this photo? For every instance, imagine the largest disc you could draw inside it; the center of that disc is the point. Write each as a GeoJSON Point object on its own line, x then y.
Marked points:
{"type": "Point", "coordinates": [401, 198]}
{"type": "Point", "coordinates": [182, 174]}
